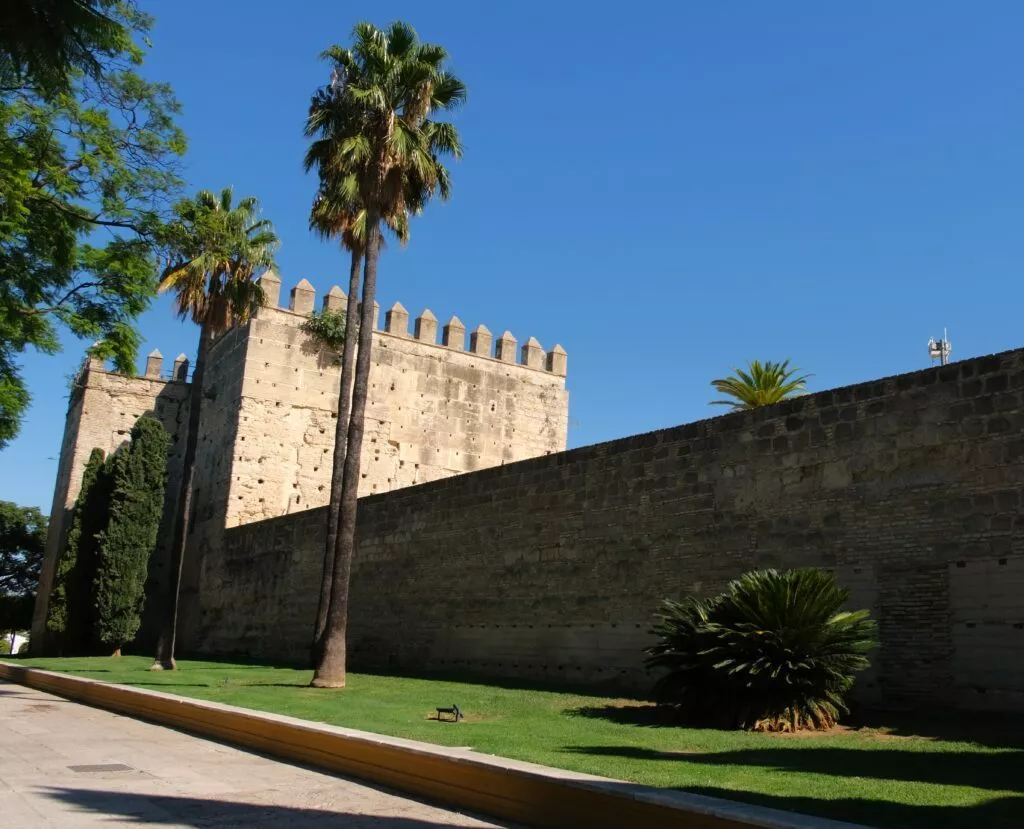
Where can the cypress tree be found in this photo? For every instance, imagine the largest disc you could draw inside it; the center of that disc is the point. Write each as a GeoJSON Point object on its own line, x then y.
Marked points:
{"type": "Point", "coordinates": [136, 507]}
{"type": "Point", "coordinates": [69, 614]}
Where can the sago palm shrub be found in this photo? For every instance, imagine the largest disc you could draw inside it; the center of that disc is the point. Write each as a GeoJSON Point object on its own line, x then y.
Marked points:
{"type": "Point", "coordinates": [775, 651]}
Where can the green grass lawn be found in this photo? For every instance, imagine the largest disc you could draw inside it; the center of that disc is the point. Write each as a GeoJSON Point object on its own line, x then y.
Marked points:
{"type": "Point", "coordinates": [961, 770]}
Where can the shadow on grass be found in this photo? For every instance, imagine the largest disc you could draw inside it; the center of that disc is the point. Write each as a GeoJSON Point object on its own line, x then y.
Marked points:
{"type": "Point", "coordinates": [639, 714]}
{"type": "Point", "coordinates": [994, 729]}
{"type": "Point", "coordinates": [608, 690]}
{"type": "Point", "coordinates": [997, 813]}
{"type": "Point", "coordinates": [986, 728]}
{"type": "Point", "coordinates": [997, 771]}
{"type": "Point", "coordinates": [156, 809]}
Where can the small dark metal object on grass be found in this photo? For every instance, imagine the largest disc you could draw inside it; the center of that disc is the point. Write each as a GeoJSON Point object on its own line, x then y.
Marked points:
{"type": "Point", "coordinates": [452, 712]}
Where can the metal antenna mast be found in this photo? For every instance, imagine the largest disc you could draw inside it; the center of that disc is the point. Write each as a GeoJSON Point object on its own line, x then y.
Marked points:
{"type": "Point", "coordinates": [940, 350]}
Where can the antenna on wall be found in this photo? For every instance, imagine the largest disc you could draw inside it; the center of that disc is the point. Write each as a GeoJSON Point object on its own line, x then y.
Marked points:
{"type": "Point", "coordinates": [940, 350]}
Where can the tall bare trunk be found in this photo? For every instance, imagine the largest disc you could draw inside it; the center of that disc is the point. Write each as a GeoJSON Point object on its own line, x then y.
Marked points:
{"type": "Point", "coordinates": [168, 630]}
{"type": "Point", "coordinates": [348, 360]}
{"type": "Point", "coordinates": [331, 666]}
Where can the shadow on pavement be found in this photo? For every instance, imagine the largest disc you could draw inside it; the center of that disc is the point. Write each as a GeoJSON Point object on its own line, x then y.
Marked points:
{"type": "Point", "coordinates": [197, 812]}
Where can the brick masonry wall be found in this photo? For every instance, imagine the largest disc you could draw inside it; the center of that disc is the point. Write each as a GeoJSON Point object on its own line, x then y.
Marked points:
{"type": "Point", "coordinates": [909, 488]}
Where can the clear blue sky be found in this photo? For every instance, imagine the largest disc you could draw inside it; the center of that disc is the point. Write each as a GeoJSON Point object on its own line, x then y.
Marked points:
{"type": "Point", "coordinates": [667, 190]}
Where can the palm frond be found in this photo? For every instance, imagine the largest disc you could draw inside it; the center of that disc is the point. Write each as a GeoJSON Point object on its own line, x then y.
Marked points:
{"type": "Point", "coordinates": [760, 385]}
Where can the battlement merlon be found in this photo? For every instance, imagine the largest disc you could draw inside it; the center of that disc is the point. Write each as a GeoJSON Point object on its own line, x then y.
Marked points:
{"type": "Point", "coordinates": [154, 370]}
{"type": "Point", "coordinates": [302, 301]}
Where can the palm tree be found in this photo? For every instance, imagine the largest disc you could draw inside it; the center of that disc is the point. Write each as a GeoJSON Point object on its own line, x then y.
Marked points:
{"type": "Point", "coordinates": [334, 217]}
{"type": "Point", "coordinates": [337, 213]}
{"type": "Point", "coordinates": [760, 385]}
{"type": "Point", "coordinates": [218, 249]}
{"type": "Point", "coordinates": [384, 159]}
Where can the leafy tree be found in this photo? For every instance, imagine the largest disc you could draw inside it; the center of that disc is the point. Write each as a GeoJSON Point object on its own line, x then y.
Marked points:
{"type": "Point", "coordinates": [22, 541]}
{"type": "Point", "coordinates": [760, 385]}
{"type": "Point", "coordinates": [89, 154]}
{"type": "Point", "coordinates": [44, 42]}
{"type": "Point", "coordinates": [218, 250]}
{"type": "Point", "coordinates": [68, 612]}
{"type": "Point", "coordinates": [381, 148]}
{"type": "Point", "coordinates": [776, 651]}
{"type": "Point", "coordinates": [136, 507]}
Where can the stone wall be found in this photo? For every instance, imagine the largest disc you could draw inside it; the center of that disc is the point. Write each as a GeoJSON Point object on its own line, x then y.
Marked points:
{"type": "Point", "coordinates": [910, 488]}
{"type": "Point", "coordinates": [101, 412]}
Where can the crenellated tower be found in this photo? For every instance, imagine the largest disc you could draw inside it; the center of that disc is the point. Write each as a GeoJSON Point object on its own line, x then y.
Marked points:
{"type": "Point", "coordinates": [435, 408]}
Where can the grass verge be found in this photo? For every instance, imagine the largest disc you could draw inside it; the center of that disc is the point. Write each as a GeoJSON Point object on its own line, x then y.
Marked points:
{"type": "Point", "coordinates": [962, 771]}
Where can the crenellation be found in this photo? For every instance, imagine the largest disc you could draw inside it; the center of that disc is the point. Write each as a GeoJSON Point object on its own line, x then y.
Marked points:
{"type": "Point", "coordinates": [396, 321]}
{"type": "Point", "coordinates": [556, 362]}
{"type": "Point", "coordinates": [180, 372]}
{"type": "Point", "coordinates": [453, 335]}
{"type": "Point", "coordinates": [271, 284]}
{"type": "Point", "coordinates": [303, 298]}
{"type": "Point", "coordinates": [335, 300]}
{"type": "Point", "coordinates": [154, 364]}
{"type": "Point", "coordinates": [426, 328]}
{"type": "Point", "coordinates": [533, 354]}
{"type": "Point", "coordinates": [480, 341]}
{"type": "Point", "coordinates": [505, 348]}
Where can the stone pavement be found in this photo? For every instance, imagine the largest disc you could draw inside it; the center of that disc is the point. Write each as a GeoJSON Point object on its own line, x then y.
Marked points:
{"type": "Point", "coordinates": [63, 764]}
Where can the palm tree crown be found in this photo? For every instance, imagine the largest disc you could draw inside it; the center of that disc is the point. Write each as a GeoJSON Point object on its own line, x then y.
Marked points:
{"type": "Point", "coordinates": [375, 146]}
{"type": "Point", "coordinates": [220, 249]}
{"type": "Point", "coordinates": [760, 385]}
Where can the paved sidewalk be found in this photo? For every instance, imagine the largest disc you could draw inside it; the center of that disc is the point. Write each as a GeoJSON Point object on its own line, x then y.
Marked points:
{"type": "Point", "coordinates": [66, 765]}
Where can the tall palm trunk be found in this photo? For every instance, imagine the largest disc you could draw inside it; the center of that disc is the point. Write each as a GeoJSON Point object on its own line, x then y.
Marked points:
{"type": "Point", "coordinates": [168, 630]}
{"type": "Point", "coordinates": [330, 668]}
{"type": "Point", "coordinates": [348, 359]}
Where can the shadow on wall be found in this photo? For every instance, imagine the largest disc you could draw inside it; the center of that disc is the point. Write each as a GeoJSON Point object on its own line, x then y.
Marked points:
{"type": "Point", "coordinates": [188, 811]}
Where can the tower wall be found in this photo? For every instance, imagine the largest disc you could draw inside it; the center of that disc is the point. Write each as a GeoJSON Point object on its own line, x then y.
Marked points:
{"type": "Point", "coordinates": [433, 411]}
{"type": "Point", "coordinates": [101, 412]}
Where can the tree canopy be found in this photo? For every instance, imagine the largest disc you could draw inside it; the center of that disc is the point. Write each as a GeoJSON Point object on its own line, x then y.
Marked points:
{"type": "Point", "coordinates": [136, 507]}
{"type": "Point", "coordinates": [44, 42]}
{"type": "Point", "coordinates": [89, 161]}
{"type": "Point", "coordinates": [22, 541]}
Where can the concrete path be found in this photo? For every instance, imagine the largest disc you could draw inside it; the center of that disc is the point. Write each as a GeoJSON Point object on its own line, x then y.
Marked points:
{"type": "Point", "coordinates": [66, 765]}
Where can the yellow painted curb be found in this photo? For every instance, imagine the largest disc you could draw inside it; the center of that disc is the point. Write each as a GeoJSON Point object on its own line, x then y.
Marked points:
{"type": "Point", "coordinates": [522, 792]}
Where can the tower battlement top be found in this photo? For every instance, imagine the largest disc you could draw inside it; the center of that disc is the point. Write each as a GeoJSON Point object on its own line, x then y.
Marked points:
{"type": "Point", "coordinates": [302, 301]}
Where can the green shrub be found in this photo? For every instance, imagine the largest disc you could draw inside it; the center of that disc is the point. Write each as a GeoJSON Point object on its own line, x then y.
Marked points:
{"type": "Point", "coordinates": [70, 610]}
{"type": "Point", "coordinates": [136, 507]}
{"type": "Point", "coordinates": [327, 328]}
{"type": "Point", "coordinates": [776, 651]}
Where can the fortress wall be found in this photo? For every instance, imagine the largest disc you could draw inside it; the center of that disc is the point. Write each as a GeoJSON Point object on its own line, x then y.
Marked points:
{"type": "Point", "coordinates": [102, 410]}
{"type": "Point", "coordinates": [910, 488]}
